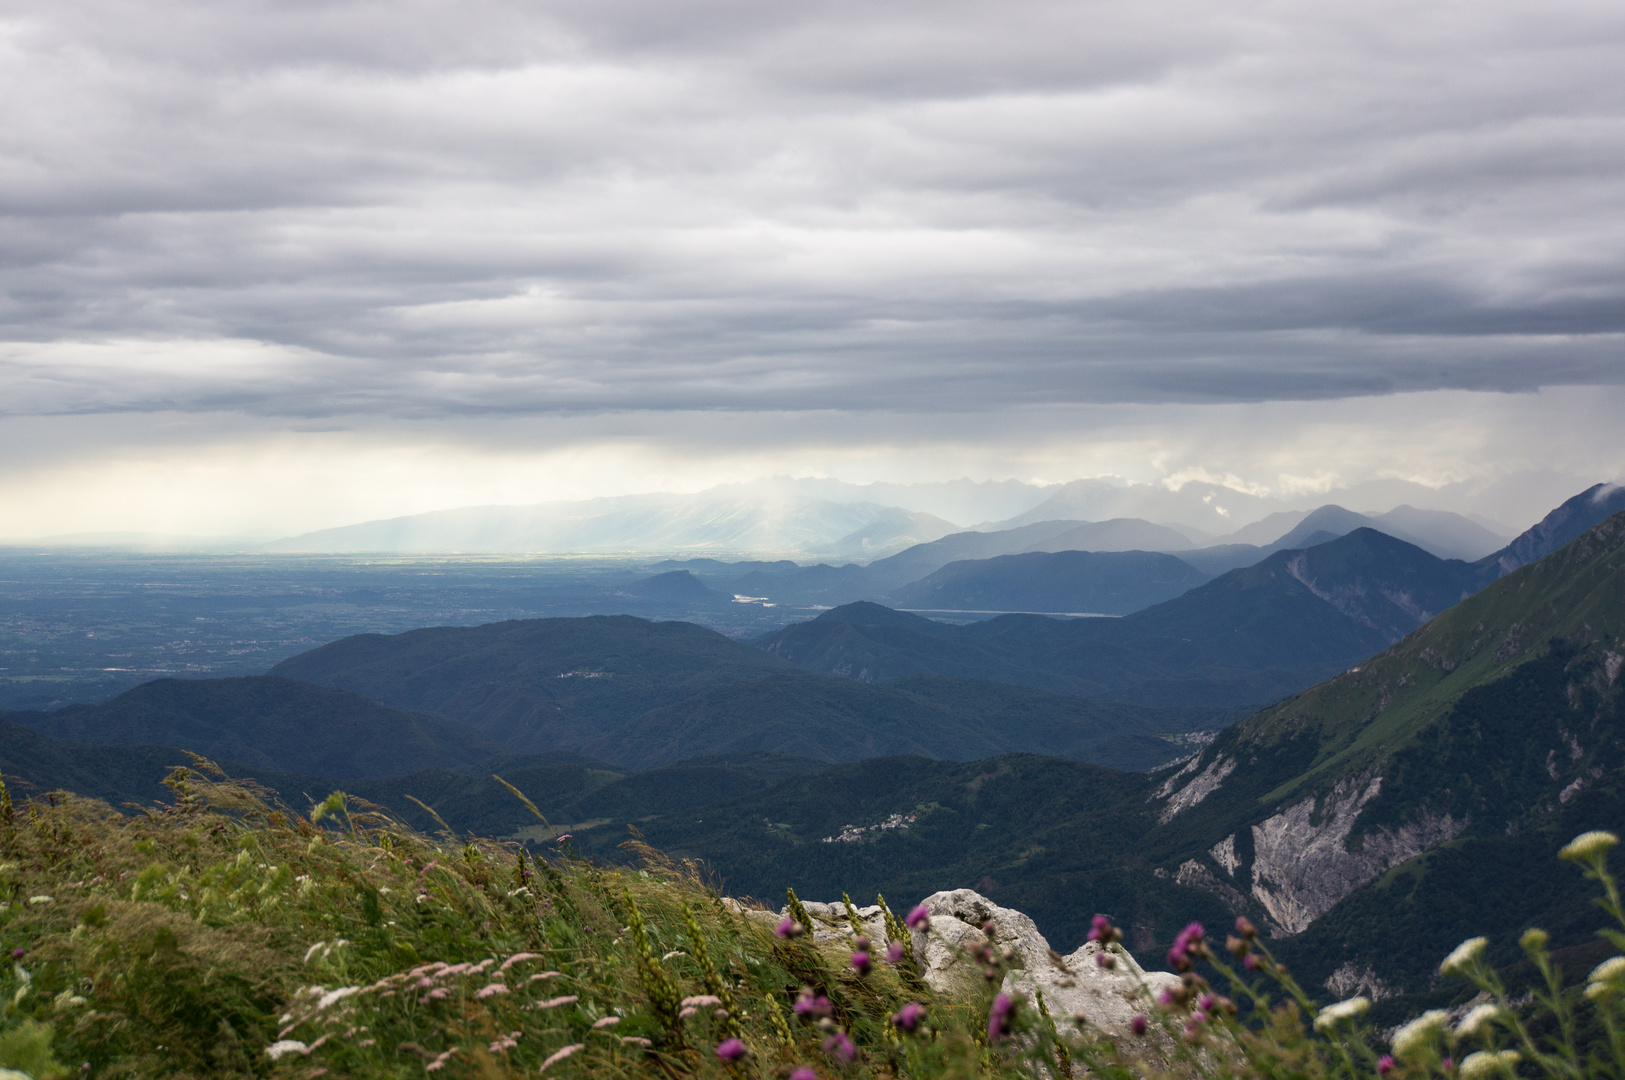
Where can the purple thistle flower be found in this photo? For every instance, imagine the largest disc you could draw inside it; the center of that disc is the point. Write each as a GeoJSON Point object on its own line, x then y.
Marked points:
{"type": "Point", "coordinates": [1252, 963]}
{"type": "Point", "coordinates": [1177, 958]}
{"type": "Point", "coordinates": [1102, 930]}
{"type": "Point", "coordinates": [1206, 1002]}
{"type": "Point", "coordinates": [1105, 959]}
{"type": "Point", "coordinates": [839, 1046]}
{"type": "Point", "coordinates": [18, 954]}
{"type": "Point", "coordinates": [894, 953]}
{"type": "Point", "coordinates": [1137, 1025]}
{"type": "Point", "coordinates": [999, 1017]}
{"type": "Point", "coordinates": [789, 928]}
{"type": "Point", "coordinates": [860, 944]}
{"type": "Point", "coordinates": [1385, 1064]}
{"type": "Point", "coordinates": [1448, 1065]}
{"type": "Point", "coordinates": [1193, 932]}
{"type": "Point", "coordinates": [808, 1006]}
{"type": "Point", "coordinates": [1245, 928]}
{"type": "Point", "coordinates": [730, 1050]}
{"type": "Point", "coordinates": [805, 1072]}
{"type": "Point", "coordinates": [861, 963]}
{"type": "Point", "coordinates": [909, 1016]}
{"type": "Point", "coordinates": [1167, 997]}
{"type": "Point", "coordinates": [919, 918]}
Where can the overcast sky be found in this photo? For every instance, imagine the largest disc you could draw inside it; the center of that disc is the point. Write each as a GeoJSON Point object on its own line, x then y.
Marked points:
{"type": "Point", "coordinates": [281, 266]}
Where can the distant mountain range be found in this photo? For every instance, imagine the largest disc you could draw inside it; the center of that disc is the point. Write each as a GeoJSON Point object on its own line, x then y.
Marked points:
{"type": "Point", "coordinates": [1418, 795]}
{"type": "Point", "coordinates": [1249, 636]}
{"type": "Point", "coordinates": [640, 523]}
{"type": "Point", "coordinates": [1104, 582]}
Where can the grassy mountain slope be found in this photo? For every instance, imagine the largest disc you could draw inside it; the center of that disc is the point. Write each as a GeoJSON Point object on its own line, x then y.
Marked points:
{"type": "Point", "coordinates": [270, 722]}
{"type": "Point", "coordinates": [535, 684]}
{"type": "Point", "coordinates": [1109, 582]}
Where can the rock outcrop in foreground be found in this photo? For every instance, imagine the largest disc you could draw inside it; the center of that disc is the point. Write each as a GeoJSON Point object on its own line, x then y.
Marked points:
{"type": "Point", "coordinates": [1072, 985]}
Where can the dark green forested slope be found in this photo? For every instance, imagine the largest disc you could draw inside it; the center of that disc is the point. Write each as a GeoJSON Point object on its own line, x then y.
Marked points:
{"type": "Point", "coordinates": [32, 764]}
{"type": "Point", "coordinates": [643, 694]}
{"type": "Point", "coordinates": [270, 723]}
{"type": "Point", "coordinates": [534, 684]}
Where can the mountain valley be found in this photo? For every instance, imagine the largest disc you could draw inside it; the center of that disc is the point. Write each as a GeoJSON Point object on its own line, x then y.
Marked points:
{"type": "Point", "coordinates": [1344, 741]}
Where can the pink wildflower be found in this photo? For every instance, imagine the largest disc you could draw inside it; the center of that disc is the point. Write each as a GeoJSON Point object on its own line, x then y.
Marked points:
{"type": "Point", "coordinates": [519, 958]}
{"type": "Point", "coordinates": [559, 1055]}
{"type": "Point", "coordinates": [1137, 1025]}
{"type": "Point", "coordinates": [805, 1072]}
{"type": "Point", "coordinates": [789, 928]}
{"type": "Point", "coordinates": [731, 1050]}
{"type": "Point", "coordinates": [919, 918]}
{"type": "Point", "coordinates": [894, 953]}
{"type": "Point", "coordinates": [490, 991]}
{"type": "Point", "coordinates": [553, 1003]}
{"type": "Point", "coordinates": [606, 1022]}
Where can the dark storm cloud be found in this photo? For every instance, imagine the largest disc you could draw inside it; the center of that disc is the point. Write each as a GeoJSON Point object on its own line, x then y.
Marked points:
{"type": "Point", "coordinates": [308, 209]}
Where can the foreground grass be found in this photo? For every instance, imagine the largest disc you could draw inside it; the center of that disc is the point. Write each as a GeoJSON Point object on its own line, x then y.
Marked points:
{"type": "Point", "coordinates": [223, 936]}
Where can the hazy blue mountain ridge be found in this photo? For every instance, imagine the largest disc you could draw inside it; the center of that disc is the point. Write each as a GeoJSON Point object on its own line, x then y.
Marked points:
{"type": "Point", "coordinates": [1106, 582]}
{"type": "Point", "coordinates": [1265, 630]}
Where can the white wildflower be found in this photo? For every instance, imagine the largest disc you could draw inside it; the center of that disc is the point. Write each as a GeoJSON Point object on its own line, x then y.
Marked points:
{"type": "Point", "coordinates": [312, 950]}
{"type": "Point", "coordinates": [1598, 991]}
{"type": "Point", "coordinates": [1415, 1035]}
{"type": "Point", "coordinates": [1464, 955]}
{"type": "Point", "coordinates": [1476, 1019]}
{"type": "Point", "coordinates": [674, 952]}
{"type": "Point", "coordinates": [1332, 1015]}
{"type": "Point", "coordinates": [332, 996]}
{"type": "Point", "coordinates": [1588, 845]}
{"type": "Point", "coordinates": [42, 900]}
{"type": "Point", "coordinates": [282, 1047]}
{"type": "Point", "coordinates": [702, 999]}
{"type": "Point", "coordinates": [1609, 970]}
{"type": "Point", "coordinates": [1485, 1063]}
{"type": "Point", "coordinates": [606, 1022]}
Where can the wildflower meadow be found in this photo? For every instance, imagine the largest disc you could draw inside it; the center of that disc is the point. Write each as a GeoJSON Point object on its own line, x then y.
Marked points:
{"type": "Point", "coordinates": [225, 935]}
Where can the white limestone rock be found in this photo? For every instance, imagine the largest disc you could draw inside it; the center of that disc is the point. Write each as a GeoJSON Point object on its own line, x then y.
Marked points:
{"type": "Point", "coordinates": [1108, 999]}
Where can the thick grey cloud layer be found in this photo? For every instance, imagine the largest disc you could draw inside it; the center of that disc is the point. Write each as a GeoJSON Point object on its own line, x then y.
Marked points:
{"type": "Point", "coordinates": [422, 209]}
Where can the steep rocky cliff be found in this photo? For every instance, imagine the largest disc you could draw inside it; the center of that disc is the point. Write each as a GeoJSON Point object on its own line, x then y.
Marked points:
{"type": "Point", "coordinates": [1484, 722]}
